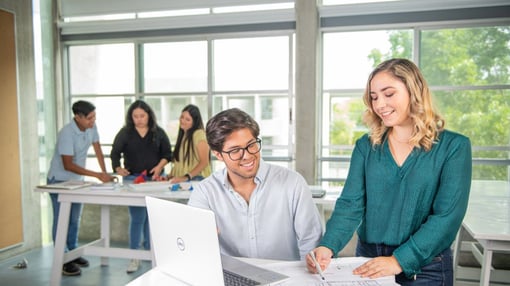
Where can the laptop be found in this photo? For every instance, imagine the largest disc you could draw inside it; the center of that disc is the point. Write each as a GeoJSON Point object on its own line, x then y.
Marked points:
{"type": "Point", "coordinates": [184, 243]}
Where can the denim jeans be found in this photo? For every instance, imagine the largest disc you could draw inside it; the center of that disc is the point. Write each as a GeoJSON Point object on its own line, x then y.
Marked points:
{"type": "Point", "coordinates": [436, 273]}
{"type": "Point", "coordinates": [138, 223]}
{"type": "Point", "coordinates": [74, 219]}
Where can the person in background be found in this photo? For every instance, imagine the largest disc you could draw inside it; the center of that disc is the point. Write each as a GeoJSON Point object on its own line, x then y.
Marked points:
{"type": "Point", "coordinates": [262, 210]}
{"type": "Point", "coordinates": [191, 154]}
{"type": "Point", "coordinates": [68, 163]}
{"type": "Point", "coordinates": [145, 149]}
{"type": "Point", "coordinates": [408, 185]}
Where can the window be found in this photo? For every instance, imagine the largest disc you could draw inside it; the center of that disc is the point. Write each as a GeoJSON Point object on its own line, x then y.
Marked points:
{"type": "Point", "coordinates": [251, 64]}
{"type": "Point", "coordinates": [466, 68]}
{"type": "Point", "coordinates": [170, 75]}
{"type": "Point", "coordinates": [348, 59]}
{"type": "Point", "coordinates": [175, 67]}
{"type": "Point", "coordinates": [102, 69]}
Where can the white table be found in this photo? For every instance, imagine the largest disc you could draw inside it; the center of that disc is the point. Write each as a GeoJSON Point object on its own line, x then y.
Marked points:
{"type": "Point", "coordinates": [487, 220]}
{"type": "Point", "coordinates": [296, 270]}
{"type": "Point", "coordinates": [101, 247]}
{"type": "Point", "coordinates": [122, 196]}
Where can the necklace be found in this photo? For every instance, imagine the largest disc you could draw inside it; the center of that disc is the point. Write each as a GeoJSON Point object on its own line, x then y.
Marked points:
{"type": "Point", "coordinates": [399, 140]}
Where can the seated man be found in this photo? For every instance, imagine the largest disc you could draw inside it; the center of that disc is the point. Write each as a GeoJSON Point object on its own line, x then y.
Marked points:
{"type": "Point", "coordinates": [262, 210]}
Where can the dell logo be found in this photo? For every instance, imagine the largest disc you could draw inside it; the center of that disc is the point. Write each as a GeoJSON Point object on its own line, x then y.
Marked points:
{"type": "Point", "coordinates": [180, 244]}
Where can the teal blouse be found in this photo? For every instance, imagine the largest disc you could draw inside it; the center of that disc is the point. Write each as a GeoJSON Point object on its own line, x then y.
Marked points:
{"type": "Point", "coordinates": [418, 206]}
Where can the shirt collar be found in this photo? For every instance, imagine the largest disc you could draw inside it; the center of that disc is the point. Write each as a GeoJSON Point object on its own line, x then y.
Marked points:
{"type": "Point", "coordinates": [76, 129]}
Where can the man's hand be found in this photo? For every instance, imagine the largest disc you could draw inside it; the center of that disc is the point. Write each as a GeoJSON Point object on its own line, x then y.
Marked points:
{"type": "Point", "coordinates": [105, 178]}
{"type": "Point", "coordinates": [322, 255]}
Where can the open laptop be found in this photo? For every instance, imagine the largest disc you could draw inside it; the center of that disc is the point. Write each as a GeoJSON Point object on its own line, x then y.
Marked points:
{"type": "Point", "coordinates": [184, 243]}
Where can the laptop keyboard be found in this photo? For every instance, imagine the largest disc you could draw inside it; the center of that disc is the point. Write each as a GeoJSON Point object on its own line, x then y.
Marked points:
{"type": "Point", "coordinates": [233, 279]}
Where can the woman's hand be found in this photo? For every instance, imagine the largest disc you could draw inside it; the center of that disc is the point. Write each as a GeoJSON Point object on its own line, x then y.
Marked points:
{"type": "Point", "coordinates": [322, 255]}
{"type": "Point", "coordinates": [156, 172]}
{"type": "Point", "coordinates": [176, 180]}
{"type": "Point", "coordinates": [379, 267]}
{"type": "Point", "coordinates": [121, 171]}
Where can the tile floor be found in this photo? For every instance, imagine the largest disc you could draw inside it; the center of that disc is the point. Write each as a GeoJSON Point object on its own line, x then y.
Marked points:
{"type": "Point", "coordinates": [39, 269]}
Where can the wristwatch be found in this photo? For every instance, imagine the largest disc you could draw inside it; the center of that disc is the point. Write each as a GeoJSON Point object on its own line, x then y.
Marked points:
{"type": "Point", "coordinates": [187, 175]}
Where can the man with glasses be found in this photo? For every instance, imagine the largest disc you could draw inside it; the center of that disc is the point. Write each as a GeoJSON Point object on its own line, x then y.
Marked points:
{"type": "Point", "coordinates": [262, 210]}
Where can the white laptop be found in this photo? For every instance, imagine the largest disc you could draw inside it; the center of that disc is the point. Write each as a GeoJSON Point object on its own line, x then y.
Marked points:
{"type": "Point", "coordinates": [184, 243]}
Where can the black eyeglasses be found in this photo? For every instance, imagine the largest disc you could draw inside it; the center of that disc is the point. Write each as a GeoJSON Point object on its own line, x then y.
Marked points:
{"type": "Point", "coordinates": [238, 153]}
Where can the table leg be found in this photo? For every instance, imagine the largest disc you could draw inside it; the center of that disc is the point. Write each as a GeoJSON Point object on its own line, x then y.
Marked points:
{"type": "Point", "coordinates": [322, 214]}
{"type": "Point", "coordinates": [485, 274]}
{"type": "Point", "coordinates": [457, 245]}
{"type": "Point", "coordinates": [60, 243]}
{"type": "Point", "coordinates": [105, 230]}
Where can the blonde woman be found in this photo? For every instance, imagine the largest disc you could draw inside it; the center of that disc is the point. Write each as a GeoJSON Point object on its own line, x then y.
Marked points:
{"type": "Point", "coordinates": [408, 184]}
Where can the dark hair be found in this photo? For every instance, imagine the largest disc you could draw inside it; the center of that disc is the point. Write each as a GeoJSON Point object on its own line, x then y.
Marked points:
{"type": "Point", "coordinates": [82, 107]}
{"type": "Point", "coordinates": [224, 123]}
{"type": "Point", "coordinates": [194, 112]}
{"type": "Point", "coordinates": [145, 107]}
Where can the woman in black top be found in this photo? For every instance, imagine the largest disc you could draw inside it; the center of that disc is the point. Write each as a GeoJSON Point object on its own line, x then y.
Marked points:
{"type": "Point", "coordinates": [144, 147]}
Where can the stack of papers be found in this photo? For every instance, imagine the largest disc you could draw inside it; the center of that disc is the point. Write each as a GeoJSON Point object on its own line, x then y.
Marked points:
{"type": "Point", "coordinates": [338, 273]}
{"type": "Point", "coordinates": [67, 185]}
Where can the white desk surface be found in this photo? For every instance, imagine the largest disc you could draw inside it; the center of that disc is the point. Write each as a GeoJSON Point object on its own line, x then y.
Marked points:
{"type": "Point", "coordinates": [124, 191]}
{"type": "Point", "coordinates": [488, 221]}
{"type": "Point", "coordinates": [339, 271]}
{"type": "Point", "coordinates": [121, 191]}
{"type": "Point", "coordinates": [488, 213]}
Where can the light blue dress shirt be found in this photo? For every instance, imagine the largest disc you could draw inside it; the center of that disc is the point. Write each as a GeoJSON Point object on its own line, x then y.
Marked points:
{"type": "Point", "coordinates": [71, 141]}
{"type": "Point", "coordinates": [280, 222]}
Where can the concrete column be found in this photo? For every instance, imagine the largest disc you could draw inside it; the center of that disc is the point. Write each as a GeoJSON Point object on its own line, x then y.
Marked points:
{"type": "Point", "coordinates": [307, 67]}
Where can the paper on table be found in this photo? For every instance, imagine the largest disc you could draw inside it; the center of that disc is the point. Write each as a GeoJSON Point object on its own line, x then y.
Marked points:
{"type": "Point", "coordinates": [67, 185]}
{"type": "Point", "coordinates": [339, 273]}
{"type": "Point", "coordinates": [151, 186]}
{"type": "Point", "coordinates": [105, 186]}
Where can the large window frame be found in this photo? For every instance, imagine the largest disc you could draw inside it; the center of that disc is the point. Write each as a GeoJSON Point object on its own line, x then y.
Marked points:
{"type": "Point", "coordinates": [279, 151]}
{"type": "Point", "coordinates": [341, 158]}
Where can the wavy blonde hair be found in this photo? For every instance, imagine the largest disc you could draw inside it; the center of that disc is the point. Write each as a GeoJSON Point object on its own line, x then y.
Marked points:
{"type": "Point", "coordinates": [427, 122]}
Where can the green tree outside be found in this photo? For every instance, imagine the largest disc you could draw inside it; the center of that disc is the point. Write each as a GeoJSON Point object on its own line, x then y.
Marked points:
{"type": "Point", "coordinates": [465, 69]}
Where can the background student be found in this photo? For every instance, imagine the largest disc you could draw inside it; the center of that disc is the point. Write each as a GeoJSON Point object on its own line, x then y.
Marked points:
{"type": "Point", "coordinates": [145, 147]}
{"type": "Point", "coordinates": [262, 210]}
{"type": "Point", "coordinates": [68, 163]}
{"type": "Point", "coordinates": [191, 154]}
{"type": "Point", "coordinates": [408, 184]}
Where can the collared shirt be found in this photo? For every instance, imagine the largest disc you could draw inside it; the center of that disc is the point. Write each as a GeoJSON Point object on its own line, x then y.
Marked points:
{"type": "Point", "coordinates": [418, 206]}
{"type": "Point", "coordinates": [281, 220]}
{"type": "Point", "coordinates": [71, 141]}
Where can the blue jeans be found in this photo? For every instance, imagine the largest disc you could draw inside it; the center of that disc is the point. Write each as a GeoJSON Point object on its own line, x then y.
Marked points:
{"type": "Point", "coordinates": [438, 272]}
{"type": "Point", "coordinates": [138, 223]}
{"type": "Point", "coordinates": [74, 219]}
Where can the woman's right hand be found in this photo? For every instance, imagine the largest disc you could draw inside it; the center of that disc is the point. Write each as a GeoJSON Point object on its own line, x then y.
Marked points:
{"type": "Point", "coordinates": [121, 171]}
{"type": "Point", "coordinates": [322, 255]}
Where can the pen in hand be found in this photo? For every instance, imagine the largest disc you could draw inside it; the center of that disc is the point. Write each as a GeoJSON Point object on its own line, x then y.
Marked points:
{"type": "Point", "coordinates": [317, 265]}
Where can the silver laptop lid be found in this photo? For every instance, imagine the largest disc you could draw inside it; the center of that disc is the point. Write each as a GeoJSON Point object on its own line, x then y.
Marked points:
{"type": "Point", "coordinates": [184, 242]}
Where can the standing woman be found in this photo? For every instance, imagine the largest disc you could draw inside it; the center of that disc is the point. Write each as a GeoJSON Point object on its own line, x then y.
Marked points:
{"type": "Point", "coordinates": [145, 147]}
{"type": "Point", "coordinates": [191, 153]}
{"type": "Point", "coordinates": [408, 185]}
